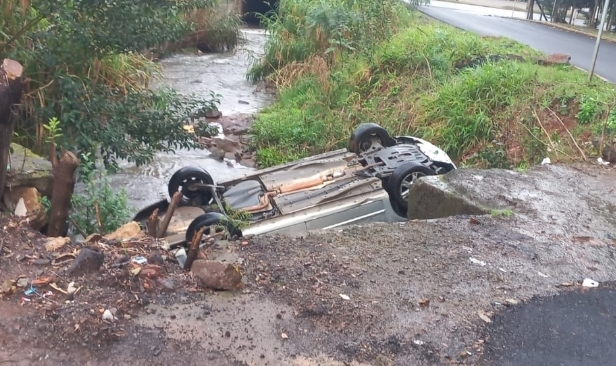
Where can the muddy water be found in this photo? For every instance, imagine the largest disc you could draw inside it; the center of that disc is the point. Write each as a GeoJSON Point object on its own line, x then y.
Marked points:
{"type": "Point", "coordinates": [224, 74]}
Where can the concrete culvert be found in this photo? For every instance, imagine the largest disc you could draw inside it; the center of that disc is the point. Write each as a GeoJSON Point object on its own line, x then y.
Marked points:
{"type": "Point", "coordinates": [254, 10]}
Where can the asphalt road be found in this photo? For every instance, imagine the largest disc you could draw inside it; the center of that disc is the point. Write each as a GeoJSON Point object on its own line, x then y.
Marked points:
{"type": "Point", "coordinates": [577, 328]}
{"type": "Point", "coordinates": [539, 36]}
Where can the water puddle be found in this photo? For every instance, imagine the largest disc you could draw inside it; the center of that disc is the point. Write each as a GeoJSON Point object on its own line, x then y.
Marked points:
{"type": "Point", "coordinates": [225, 74]}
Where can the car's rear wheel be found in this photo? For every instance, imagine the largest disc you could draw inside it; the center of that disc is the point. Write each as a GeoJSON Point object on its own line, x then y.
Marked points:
{"type": "Point", "coordinates": [214, 222]}
{"type": "Point", "coordinates": [400, 183]}
{"type": "Point", "coordinates": [182, 179]}
{"type": "Point", "coordinates": [367, 137]}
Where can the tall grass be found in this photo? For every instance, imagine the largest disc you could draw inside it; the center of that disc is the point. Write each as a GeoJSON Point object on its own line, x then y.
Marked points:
{"type": "Point", "coordinates": [426, 80]}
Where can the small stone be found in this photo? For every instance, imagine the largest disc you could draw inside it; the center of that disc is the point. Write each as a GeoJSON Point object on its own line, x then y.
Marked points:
{"type": "Point", "coordinates": [41, 262]}
{"type": "Point", "coordinates": [87, 261]}
{"type": "Point", "coordinates": [242, 102]}
{"type": "Point", "coordinates": [107, 315]}
{"type": "Point", "coordinates": [22, 282]}
{"type": "Point", "coordinates": [126, 316]}
{"type": "Point", "coordinates": [227, 334]}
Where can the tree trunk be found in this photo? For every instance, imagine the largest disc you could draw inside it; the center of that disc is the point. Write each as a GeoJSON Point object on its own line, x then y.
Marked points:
{"type": "Point", "coordinates": [11, 88]}
{"type": "Point", "coordinates": [63, 186]}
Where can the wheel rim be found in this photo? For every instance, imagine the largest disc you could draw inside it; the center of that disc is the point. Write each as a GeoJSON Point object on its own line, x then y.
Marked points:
{"type": "Point", "coordinates": [206, 233]}
{"type": "Point", "coordinates": [408, 181]}
{"type": "Point", "coordinates": [370, 143]}
{"type": "Point", "coordinates": [183, 187]}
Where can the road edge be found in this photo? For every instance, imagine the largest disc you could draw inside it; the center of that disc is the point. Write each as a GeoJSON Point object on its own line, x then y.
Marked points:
{"type": "Point", "coordinates": [561, 27]}
{"type": "Point", "coordinates": [534, 21]}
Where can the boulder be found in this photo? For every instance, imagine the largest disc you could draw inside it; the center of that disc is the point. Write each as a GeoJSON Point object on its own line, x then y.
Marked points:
{"type": "Point", "coordinates": [29, 170]}
{"type": "Point", "coordinates": [554, 59]}
{"type": "Point", "coordinates": [216, 275]}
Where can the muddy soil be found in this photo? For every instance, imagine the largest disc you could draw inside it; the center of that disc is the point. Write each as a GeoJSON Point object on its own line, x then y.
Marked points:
{"type": "Point", "coordinates": [416, 293]}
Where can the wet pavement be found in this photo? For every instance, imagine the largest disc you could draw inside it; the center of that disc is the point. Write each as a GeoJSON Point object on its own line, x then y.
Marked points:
{"type": "Point", "coordinates": [577, 328]}
{"type": "Point", "coordinates": [224, 74]}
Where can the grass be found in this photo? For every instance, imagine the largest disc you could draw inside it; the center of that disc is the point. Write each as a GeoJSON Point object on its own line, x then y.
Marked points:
{"type": "Point", "coordinates": [506, 113]}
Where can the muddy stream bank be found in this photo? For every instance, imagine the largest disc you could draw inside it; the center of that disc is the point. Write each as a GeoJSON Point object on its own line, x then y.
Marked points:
{"type": "Point", "coordinates": [224, 74]}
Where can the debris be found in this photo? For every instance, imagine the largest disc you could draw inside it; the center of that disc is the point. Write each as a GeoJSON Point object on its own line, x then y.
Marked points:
{"type": "Point", "coordinates": [71, 289]}
{"type": "Point", "coordinates": [42, 281]}
{"type": "Point", "coordinates": [474, 221]}
{"type": "Point", "coordinates": [546, 161]}
{"type": "Point", "coordinates": [93, 238]}
{"type": "Point", "coordinates": [54, 244]}
{"type": "Point", "coordinates": [217, 276]}
{"type": "Point", "coordinates": [602, 162]}
{"type": "Point", "coordinates": [345, 297]}
{"type": "Point", "coordinates": [135, 271]}
{"type": "Point", "coordinates": [512, 301]}
{"type": "Point", "coordinates": [22, 282]}
{"type": "Point", "coordinates": [8, 287]}
{"type": "Point", "coordinates": [542, 274]}
{"type": "Point", "coordinates": [284, 336]}
{"type": "Point", "coordinates": [424, 302]}
{"type": "Point", "coordinates": [151, 271]}
{"type": "Point", "coordinates": [418, 342]}
{"type": "Point", "coordinates": [477, 261]}
{"type": "Point", "coordinates": [140, 260]}
{"type": "Point", "coordinates": [484, 316]}
{"type": "Point", "coordinates": [55, 287]}
{"type": "Point", "coordinates": [590, 283]}
{"type": "Point", "coordinates": [126, 231]}
{"type": "Point", "coordinates": [107, 315]}
{"type": "Point", "coordinates": [87, 260]}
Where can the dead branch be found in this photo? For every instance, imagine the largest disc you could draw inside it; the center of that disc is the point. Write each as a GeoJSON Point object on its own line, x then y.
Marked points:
{"type": "Point", "coordinates": [193, 250]}
{"type": "Point", "coordinates": [153, 224]}
{"type": "Point", "coordinates": [544, 130]}
{"type": "Point", "coordinates": [99, 222]}
{"type": "Point", "coordinates": [569, 133]}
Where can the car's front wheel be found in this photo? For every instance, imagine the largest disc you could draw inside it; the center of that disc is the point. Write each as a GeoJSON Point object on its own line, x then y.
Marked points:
{"type": "Point", "coordinates": [367, 137]}
{"type": "Point", "coordinates": [401, 180]}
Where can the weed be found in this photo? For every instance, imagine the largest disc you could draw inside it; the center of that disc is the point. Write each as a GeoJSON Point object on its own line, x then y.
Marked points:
{"type": "Point", "coordinates": [501, 213]}
{"type": "Point", "coordinates": [424, 80]}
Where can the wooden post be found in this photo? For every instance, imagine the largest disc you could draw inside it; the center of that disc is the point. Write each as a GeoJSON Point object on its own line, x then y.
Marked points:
{"type": "Point", "coordinates": [175, 200]}
{"type": "Point", "coordinates": [153, 224]}
{"type": "Point", "coordinates": [63, 186]}
{"type": "Point", "coordinates": [11, 89]}
{"type": "Point", "coordinates": [193, 250]}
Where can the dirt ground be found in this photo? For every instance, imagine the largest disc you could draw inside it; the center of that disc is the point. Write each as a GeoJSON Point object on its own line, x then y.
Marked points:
{"type": "Point", "coordinates": [416, 293]}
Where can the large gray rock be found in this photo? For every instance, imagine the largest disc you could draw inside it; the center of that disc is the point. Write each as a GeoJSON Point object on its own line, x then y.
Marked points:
{"type": "Point", "coordinates": [29, 170]}
{"type": "Point", "coordinates": [554, 194]}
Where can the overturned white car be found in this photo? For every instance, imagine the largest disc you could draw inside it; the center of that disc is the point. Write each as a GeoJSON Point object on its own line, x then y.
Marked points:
{"type": "Point", "coordinates": [367, 182]}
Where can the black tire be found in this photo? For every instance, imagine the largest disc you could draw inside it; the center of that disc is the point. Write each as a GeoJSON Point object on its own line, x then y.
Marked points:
{"type": "Point", "coordinates": [187, 175]}
{"type": "Point", "coordinates": [209, 219]}
{"type": "Point", "coordinates": [399, 182]}
{"type": "Point", "coordinates": [360, 140]}
{"type": "Point", "coordinates": [397, 209]}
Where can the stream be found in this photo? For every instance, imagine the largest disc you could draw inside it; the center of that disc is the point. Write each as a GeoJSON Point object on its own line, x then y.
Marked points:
{"type": "Point", "coordinates": [223, 73]}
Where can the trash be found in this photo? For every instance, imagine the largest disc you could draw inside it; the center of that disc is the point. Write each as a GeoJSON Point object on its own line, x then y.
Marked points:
{"type": "Point", "coordinates": [135, 271]}
{"type": "Point", "coordinates": [424, 302]}
{"type": "Point", "coordinates": [180, 256]}
{"type": "Point", "coordinates": [477, 261]}
{"type": "Point", "coordinates": [54, 244]}
{"type": "Point", "coordinates": [345, 297]}
{"type": "Point", "coordinates": [284, 336]}
{"type": "Point", "coordinates": [107, 315]}
{"type": "Point", "coordinates": [42, 281]}
{"type": "Point", "coordinates": [602, 162]}
{"type": "Point", "coordinates": [546, 161]}
{"type": "Point", "coordinates": [484, 316]}
{"type": "Point", "coordinates": [590, 283]}
{"type": "Point", "coordinates": [30, 291]}
{"type": "Point", "coordinates": [71, 289]}
{"type": "Point", "coordinates": [542, 274]}
{"type": "Point", "coordinates": [140, 260]}
{"type": "Point", "coordinates": [512, 301]}
{"type": "Point", "coordinates": [418, 342]}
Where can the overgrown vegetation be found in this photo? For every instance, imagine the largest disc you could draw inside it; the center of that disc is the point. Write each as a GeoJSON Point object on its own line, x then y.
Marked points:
{"type": "Point", "coordinates": [421, 78]}
{"type": "Point", "coordinates": [85, 66]}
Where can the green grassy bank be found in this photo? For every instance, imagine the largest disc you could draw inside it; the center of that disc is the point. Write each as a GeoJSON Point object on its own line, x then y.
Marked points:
{"type": "Point", "coordinates": [416, 76]}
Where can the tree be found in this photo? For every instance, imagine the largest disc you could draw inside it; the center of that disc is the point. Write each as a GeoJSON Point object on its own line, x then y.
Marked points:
{"type": "Point", "coordinates": [11, 88]}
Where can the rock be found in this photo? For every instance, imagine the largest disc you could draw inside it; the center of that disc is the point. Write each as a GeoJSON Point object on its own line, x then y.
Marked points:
{"type": "Point", "coordinates": [554, 59]}
{"type": "Point", "coordinates": [155, 258]}
{"type": "Point", "coordinates": [607, 149]}
{"type": "Point", "coordinates": [54, 244]}
{"type": "Point", "coordinates": [94, 238]}
{"type": "Point", "coordinates": [126, 231]}
{"type": "Point", "coordinates": [226, 145]}
{"type": "Point", "coordinates": [433, 197]}
{"type": "Point", "coordinates": [26, 202]}
{"type": "Point", "coordinates": [22, 282]}
{"type": "Point", "coordinates": [29, 170]}
{"type": "Point", "coordinates": [217, 276]}
{"type": "Point", "coordinates": [151, 271]}
{"type": "Point", "coordinates": [213, 113]}
{"type": "Point", "coordinates": [217, 154]}
{"type": "Point", "coordinates": [87, 261]}
{"type": "Point", "coordinates": [242, 102]}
